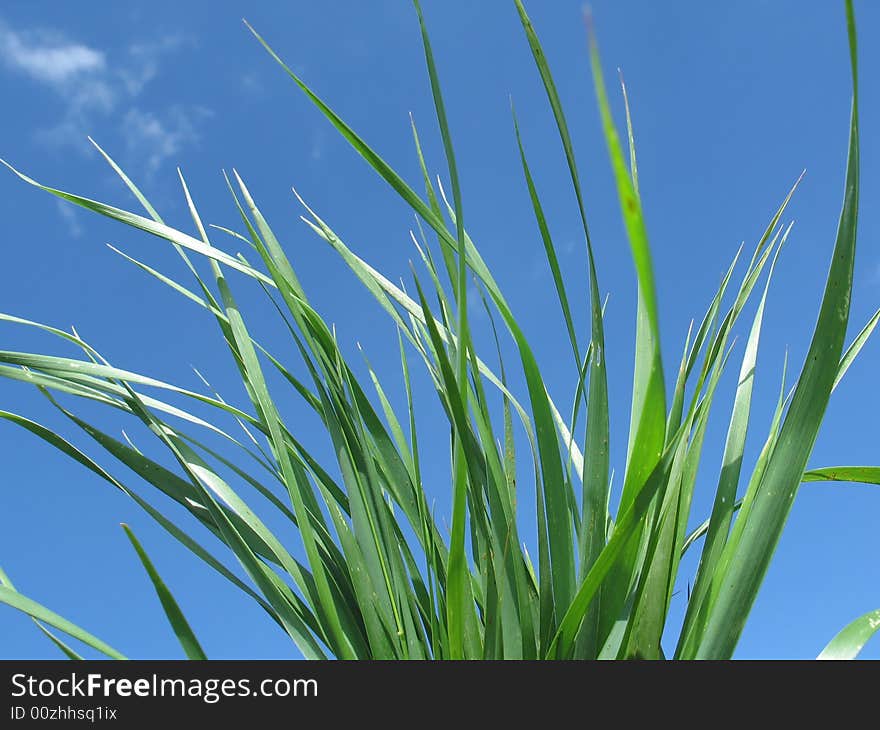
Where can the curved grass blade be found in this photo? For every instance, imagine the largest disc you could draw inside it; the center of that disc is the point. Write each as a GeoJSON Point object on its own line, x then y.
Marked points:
{"type": "Point", "coordinates": [41, 613]}
{"type": "Point", "coordinates": [64, 647]}
{"type": "Point", "coordinates": [852, 638]}
{"type": "Point", "coordinates": [855, 348]}
{"type": "Point", "coordinates": [702, 529]}
{"type": "Point", "coordinates": [182, 629]}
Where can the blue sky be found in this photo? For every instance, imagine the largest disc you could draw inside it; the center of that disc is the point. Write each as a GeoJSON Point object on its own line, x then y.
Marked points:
{"type": "Point", "coordinates": [730, 101]}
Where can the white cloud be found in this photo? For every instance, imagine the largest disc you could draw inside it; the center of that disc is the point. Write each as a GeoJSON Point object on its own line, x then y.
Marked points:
{"type": "Point", "coordinates": [97, 90]}
{"type": "Point", "coordinates": [251, 84]}
{"type": "Point", "coordinates": [144, 61]}
{"type": "Point", "coordinates": [48, 57]}
{"type": "Point", "coordinates": [317, 149]}
{"type": "Point", "coordinates": [158, 139]}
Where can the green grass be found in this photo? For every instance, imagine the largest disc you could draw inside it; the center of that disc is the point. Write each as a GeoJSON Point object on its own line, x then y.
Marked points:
{"type": "Point", "coordinates": [376, 576]}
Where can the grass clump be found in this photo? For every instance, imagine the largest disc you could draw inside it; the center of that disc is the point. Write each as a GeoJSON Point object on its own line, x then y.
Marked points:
{"type": "Point", "coordinates": [374, 576]}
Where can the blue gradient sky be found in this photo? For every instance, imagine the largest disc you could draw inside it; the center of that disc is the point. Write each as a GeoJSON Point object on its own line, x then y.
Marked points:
{"type": "Point", "coordinates": [730, 102]}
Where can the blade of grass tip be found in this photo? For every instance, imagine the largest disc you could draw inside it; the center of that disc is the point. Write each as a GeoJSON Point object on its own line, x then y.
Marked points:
{"type": "Point", "coordinates": [704, 333]}
{"type": "Point", "coordinates": [748, 553]}
{"type": "Point", "coordinates": [852, 638]}
{"type": "Point", "coordinates": [448, 258]}
{"type": "Point", "coordinates": [387, 173]}
{"type": "Point", "coordinates": [549, 248]}
{"type": "Point", "coordinates": [702, 529]}
{"type": "Point", "coordinates": [65, 648]}
{"type": "Point", "coordinates": [242, 425]}
{"type": "Point", "coordinates": [41, 613]}
{"type": "Point", "coordinates": [677, 407]}
{"type": "Point", "coordinates": [128, 183]}
{"type": "Point", "coordinates": [182, 629]}
{"type": "Point", "coordinates": [633, 167]}
{"type": "Point", "coordinates": [857, 474]}
{"type": "Point", "coordinates": [380, 286]}
{"type": "Point", "coordinates": [156, 217]}
{"type": "Point", "coordinates": [147, 225]}
{"type": "Point", "coordinates": [862, 474]}
{"type": "Point", "coordinates": [855, 348]}
{"type": "Point", "coordinates": [442, 300]}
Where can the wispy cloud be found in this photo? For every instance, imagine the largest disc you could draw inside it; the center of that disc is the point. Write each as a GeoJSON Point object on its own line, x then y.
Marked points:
{"type": "Point", "coordinates": [157, 139]}
{"type": "Point", "coordinates": [69, 215]}
{"type": "Point", "coordinates": [144, 61]}
{"type": "Point", "coordinates": [251, 84]}
{"type": "Point", "coordinates": [47, 56]}
{"type": "Point", "coordinates": [316, 151]}
{"type": "Point", "coordinates": [97, 90]}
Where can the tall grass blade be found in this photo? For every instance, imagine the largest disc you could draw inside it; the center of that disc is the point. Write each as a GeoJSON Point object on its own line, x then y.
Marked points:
{"type": "Point", "coordinates": [747, 554]}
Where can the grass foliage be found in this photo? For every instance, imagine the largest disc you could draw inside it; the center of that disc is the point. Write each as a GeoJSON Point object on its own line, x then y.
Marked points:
{"type": "Point", "coordinates": [374, 575]}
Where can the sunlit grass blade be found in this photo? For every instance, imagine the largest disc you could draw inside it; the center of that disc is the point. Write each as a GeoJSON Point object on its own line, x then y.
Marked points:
{"type": "Point", "coordinates": [863, 474]}
{"type": "Point", "coordinates": [852, 638]}
{"type": "Point", "coordinates": [41, 613]}
{"type": "Point", "coordinates": [647, 434]}
{"type": "Point", "coordinates": [147, 225]}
